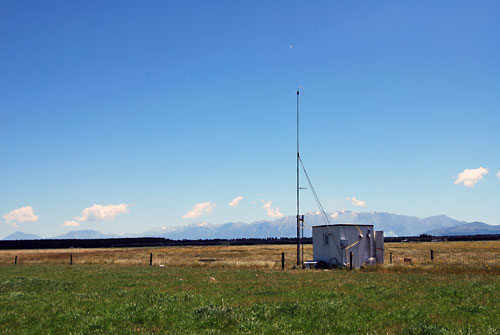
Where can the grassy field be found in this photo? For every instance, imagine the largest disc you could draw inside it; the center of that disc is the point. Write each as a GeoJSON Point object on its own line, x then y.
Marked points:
{"type": "Point", "coordinates": [114, 291]}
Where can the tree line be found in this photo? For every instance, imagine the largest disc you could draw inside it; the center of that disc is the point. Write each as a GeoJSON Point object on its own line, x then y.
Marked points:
{"type": "Point", "coordinates": [160, 241]}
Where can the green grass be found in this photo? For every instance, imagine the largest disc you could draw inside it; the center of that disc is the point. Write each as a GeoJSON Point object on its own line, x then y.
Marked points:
{"type": "Point", "coordinates": [99, 299]}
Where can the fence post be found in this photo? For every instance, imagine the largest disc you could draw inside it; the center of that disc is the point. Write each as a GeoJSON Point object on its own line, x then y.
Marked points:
{"type": "Point", "coordinates": [432, 255]}
{"type": "Point", "coordinates": [70, 259]}
{"type": "Point", "coordinates": [350, 260]}
{"type": "Point", "coordinates": [390, 258]}
{"type": "Point", "coordinates": [15, 260]}
{"type": "Point", "coordinates": [282, 261]}
{"type": "Point", "coordinates": [151, 259]}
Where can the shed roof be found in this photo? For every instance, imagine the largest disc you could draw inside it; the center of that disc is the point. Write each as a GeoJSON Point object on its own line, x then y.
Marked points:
{"type": "Point", "coordinates": [344, 224]}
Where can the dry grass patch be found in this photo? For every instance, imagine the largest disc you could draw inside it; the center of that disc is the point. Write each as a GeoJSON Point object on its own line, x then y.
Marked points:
{"type": "Point", "coordinates": [448, 256]}
{"type": "Point", "coordinates": [255, 256]}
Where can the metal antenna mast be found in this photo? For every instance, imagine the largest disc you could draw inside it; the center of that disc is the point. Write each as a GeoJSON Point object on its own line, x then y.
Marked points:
{"type": "Point", "coordinates": [300, 219]}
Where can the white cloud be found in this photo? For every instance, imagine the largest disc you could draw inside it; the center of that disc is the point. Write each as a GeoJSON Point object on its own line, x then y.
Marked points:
{"type": "Point", "coordinates": [236, 201]}
{"type": "Point", "coordinates": [102, 212]}
{"type": "Point", "coordinates": [470, 177]}
{"type": "Point", "coordinates": [357, 202]}
{"type": "Point", "coordinates": [498, 175]}
{"type": "Point", "coordinates": [272, 212]}
{"type": "Point", "coordinates": [20, 215]}
{"type": "Point", "coordinates": [199, 209]}
{"type": "Point", "coordinates": [69, 223]}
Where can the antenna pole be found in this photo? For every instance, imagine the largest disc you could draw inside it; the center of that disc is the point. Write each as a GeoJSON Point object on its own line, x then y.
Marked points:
{"type": "Point", "coordinates": [298, 185]}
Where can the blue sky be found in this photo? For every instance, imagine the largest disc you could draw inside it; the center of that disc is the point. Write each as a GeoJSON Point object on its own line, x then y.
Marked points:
{"type": "Point", "coordinates": [154, 107]}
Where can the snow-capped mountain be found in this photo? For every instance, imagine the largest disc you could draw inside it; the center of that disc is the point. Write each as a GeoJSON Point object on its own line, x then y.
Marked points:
{"type": "Point", "coordinates": [391, 224]}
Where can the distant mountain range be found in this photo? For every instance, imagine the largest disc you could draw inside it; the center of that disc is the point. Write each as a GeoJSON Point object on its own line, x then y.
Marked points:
{"type": "Point", "coordinates": [391, 224]}
{"type": "Point", "coordinates": [72, 235]}
{"type": "Point", "coordinates": [473, 228]}
{"type": "Point", "coordinates": [84, 234]}
{"type": "Point", "coordinates": [22, 236]}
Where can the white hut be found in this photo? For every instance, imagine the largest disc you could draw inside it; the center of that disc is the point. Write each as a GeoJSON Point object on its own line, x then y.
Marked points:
{"type": "Point", "coordinates": [332, 245]}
